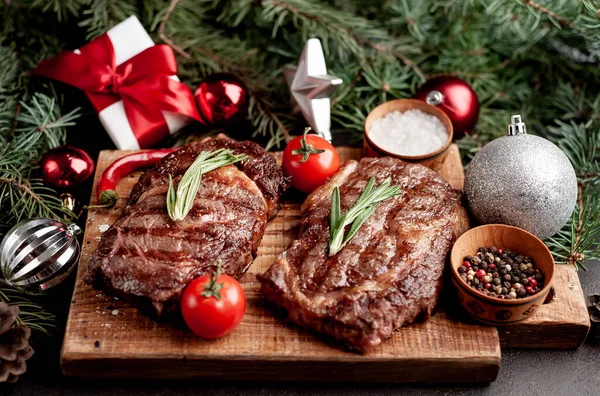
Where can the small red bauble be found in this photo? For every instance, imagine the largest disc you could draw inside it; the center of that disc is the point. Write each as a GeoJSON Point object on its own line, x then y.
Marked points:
{"type": "Point", "coordinates": [66, 166]}
{"type": "Point", "coordinates": [454, 97]}
{"type": "Point", "coordinates": [480, 273]}
{"type": "Point", "coordinates": [488, 285]}
{"type": "Point", "coordinates": [492, 266]}
{"type": "Point", "coordinates": [221, 98]}
{"type": "Point", "coordinates": [500, 251]}
{"type": "Point", "coordinates": [467, 264]}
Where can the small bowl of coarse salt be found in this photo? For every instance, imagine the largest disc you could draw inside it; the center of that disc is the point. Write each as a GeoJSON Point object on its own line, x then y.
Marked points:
{"type": "Point", "coordinates": [409, 129]}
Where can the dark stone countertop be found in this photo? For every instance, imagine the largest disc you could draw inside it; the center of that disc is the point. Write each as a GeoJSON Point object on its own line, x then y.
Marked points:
{"type": "Point", "coordinates": [527, 372]}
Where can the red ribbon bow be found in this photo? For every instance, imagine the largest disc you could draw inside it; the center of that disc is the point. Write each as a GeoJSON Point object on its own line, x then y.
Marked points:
{"type": "Point", "coordinates": [142, 83]}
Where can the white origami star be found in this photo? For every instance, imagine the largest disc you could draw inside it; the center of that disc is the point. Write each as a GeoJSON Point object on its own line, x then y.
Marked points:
{"type": "Point", "coordinates": [311, 87]}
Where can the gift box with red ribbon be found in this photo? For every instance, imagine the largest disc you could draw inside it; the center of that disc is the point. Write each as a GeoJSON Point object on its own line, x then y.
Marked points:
{"type": "Point", "coordinates": [130, 81]}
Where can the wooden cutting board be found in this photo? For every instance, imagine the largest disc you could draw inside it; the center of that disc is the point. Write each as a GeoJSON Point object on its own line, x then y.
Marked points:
{"type": "Point", "coordinates": [106, 337]}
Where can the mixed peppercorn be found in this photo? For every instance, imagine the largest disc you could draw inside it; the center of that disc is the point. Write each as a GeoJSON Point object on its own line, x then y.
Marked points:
{"type": "Point", "coordinates": [501, 274]}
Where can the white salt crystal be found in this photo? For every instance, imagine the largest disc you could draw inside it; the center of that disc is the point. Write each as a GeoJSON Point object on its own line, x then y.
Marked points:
{"type": "Point", "coordinates": [103, 227]}
{"type": "Point", "coordinates": [412, 132]}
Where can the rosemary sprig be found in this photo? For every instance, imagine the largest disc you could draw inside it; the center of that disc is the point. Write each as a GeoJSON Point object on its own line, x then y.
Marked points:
{"type": "Point", "coordinates": [359, 213]}
{"type": "Point", "coordinates": [180, 202]}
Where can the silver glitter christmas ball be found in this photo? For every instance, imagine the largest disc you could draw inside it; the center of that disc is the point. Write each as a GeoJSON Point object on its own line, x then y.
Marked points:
{"type": "Point", "coordinates": [40, 253]}
{"type": "Point", "coordinates": [522, 180]}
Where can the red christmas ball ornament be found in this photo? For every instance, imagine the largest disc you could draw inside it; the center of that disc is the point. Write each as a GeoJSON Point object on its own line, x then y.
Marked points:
{"type": "Point", "coordinates": [66, 166]}
{"type": "Point", "coordinates": [221, 98]}
{"type": "Point", "coordinates": [456, 98]}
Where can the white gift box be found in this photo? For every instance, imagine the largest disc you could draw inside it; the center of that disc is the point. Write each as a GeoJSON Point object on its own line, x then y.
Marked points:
{"type": "Point", "coordinates": [129, 38]}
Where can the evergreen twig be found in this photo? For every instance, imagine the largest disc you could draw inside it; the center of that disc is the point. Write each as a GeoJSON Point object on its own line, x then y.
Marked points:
{"type": "Point", "coordinates": [163, 35]}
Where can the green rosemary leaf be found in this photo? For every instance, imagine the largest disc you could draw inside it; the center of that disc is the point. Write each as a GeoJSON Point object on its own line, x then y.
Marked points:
{"type": "Point", "coordinates": [356, 216]}
{"type": "Point", "coordinates": [171, 196]}
{"type": "Point", "coordinates": [180, 202]}
{"type": "Point", "coordinates": [358, 222]}
{"type": "Point", "coordinates": [335, 211]}
{"type": "Point", "coordinates": [368, 189]}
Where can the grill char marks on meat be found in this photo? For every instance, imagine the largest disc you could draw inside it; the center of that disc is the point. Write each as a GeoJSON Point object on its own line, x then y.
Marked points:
{"type": "Point", "coordinates": [388, 275]}
{"type": "Point", "coordinates": [260, 166]}
{"type": "Point", "coordinates": [148, 258]}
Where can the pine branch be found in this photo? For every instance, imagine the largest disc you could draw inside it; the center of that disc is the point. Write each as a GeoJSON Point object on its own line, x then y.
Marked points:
{"type": "Point", "coordinates": [31, 314]}
{"type": "Point", "coordinates": [162, 29]}
{"type": "Point", "coordinates": [187, 25]}
{"type": "Point", "coordinates": [64, 9]}
{"type": "Point", "coordinates": [577, 242]}
{"type": "Point", "coordinates": [27, 198]}
{"type": "Point", "coordinates": [41, 124]}
{"type": "Point", "coordinates": [553, 16]}
{"type": "Point", "coordinates": [581, 144]}
{"type": "Point", "coordinates": [101, 15]}
{"type": "Point", "coordinates": [268, 123]}
{"type": "Point", "coordinates": [349, 32]}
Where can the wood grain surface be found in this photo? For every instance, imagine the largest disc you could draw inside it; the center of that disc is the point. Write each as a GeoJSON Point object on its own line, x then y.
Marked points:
{"type": "Point", "coordinates": [106, 337]}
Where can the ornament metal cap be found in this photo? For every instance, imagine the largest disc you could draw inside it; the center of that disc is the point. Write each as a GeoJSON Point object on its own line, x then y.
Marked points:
{"type": "Point", "coordinates": [516, 126]}
{"type": "Point", "coordinates": [67, 200]}
{"type": "Point", "coordinates": [434, 98]}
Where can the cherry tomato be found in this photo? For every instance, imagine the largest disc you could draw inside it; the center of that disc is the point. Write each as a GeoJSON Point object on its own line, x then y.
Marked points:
{"type": "Point", "coordinates": [213, 305]}
{"type": "Point", "coordinates": [310, 160]}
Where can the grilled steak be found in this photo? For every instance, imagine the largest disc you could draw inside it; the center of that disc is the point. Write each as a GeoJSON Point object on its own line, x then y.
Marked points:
{"type": "Point", "coordinates": [388, 275]}
{"type": "Point", "coordinates": [146, 256]}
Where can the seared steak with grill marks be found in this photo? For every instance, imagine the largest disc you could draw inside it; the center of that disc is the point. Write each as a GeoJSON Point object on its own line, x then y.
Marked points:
{"type": "Point", "coordinates": [388, 275]}
{"type": "Point", "coordinates": [147, 257]}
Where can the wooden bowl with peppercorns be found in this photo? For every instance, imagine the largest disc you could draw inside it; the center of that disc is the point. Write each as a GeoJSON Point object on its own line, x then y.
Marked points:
{"type": "Point", "coordinates": [502, 273]}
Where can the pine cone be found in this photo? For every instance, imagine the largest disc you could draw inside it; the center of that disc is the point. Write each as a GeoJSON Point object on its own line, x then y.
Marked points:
{"type": "Point", "coordinates": [14, 344]}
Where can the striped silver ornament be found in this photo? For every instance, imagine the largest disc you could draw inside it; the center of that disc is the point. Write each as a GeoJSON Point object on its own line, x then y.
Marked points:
{"type": "Point", "coordinates": [39, 253]}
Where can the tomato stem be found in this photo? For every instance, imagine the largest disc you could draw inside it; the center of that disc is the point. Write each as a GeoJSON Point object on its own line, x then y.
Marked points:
{"type": "Point", "coordinates": [213, 288]}
{"type": "Point", "coordinates": [306, 149]}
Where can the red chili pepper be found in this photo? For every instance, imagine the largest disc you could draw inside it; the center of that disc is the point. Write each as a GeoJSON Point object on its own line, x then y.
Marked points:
{"type": "Point", "coordinates": [106, 189]}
